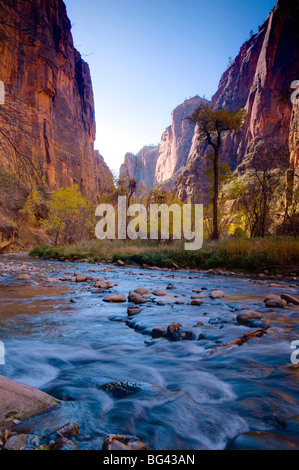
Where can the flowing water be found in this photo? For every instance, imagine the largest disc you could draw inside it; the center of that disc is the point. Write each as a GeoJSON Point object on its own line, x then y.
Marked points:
{"type": "Point", "coordinates": [188, 394]}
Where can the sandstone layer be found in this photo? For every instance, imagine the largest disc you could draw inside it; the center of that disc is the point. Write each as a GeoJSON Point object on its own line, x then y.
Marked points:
{"type": "Point", "coordinates": [47, 124]}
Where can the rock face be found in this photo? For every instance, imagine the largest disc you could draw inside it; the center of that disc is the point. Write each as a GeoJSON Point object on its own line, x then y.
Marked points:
{"type": "Point", "coordinates": [49, 100]}
{"type": "Point", "coordinates": [142, 166]}
{"type": "Point", "coordinates": [258, 80]}
{"type": "Point", "coordinates": [176, 142]}
{"type": "Point", "coordinates": [154, 166]}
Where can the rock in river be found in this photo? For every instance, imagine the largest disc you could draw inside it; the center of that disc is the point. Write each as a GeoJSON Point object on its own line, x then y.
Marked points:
{"type": "Point", "coordinates": [21, 402]}
{"type": "Point", "coordinates": [217, 294]}
{"type": "Point", "coordinates": [250, 318]}
{"type": "Point", "coordinates": [115, 298]}
{"type": "Point", "coordinates": [290, 299]}
{"type": "Point", "coordinates": [118, 442]}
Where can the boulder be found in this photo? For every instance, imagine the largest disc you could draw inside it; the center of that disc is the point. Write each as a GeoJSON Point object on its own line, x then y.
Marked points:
{"type": "Point", "coordinates": [276, 303]}
{"type": "Point", "coordinates": [290, 299]}
{"type": "Point", "coordinates": [115, 298]}
{"type": "Point", "coordinates": [250, 318]}
{"type": "Point", "coordinates": [160, 293]}
{"type": "Point", "coordinates": [21, 402]}
{"type": "Point", "coordinates": [159, 332]}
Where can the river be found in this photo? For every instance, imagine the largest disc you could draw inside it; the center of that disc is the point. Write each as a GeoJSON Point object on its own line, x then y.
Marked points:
{"type": "Point", "coordinates": [61, 338]}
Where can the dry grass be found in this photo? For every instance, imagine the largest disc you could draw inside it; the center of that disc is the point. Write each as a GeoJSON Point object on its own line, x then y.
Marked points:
{"type": "Point", "coordinates": [249, 255]}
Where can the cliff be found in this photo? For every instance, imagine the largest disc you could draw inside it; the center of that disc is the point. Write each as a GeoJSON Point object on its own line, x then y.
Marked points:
{"type": "Point", "coordinates": [155, 166]}
{"type": "Point", "coordinates": [258, 80]}
{"type": "Point", "coordinates": [47, 124]}
{"type": "Point", "coordinates": [142, 166]}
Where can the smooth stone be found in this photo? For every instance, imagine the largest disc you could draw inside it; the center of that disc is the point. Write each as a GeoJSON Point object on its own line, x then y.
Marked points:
{"type": "Point", "coordinates": [279, 303]}
{"type": "Point", "coordinates": [136, 298]}
{"type": "Point", "coordinates": [81, 278]}
{"type": "Point", "coordinates": [134, 311]}
{"type": "Point", "coordinates": [142, 291]}
{"type": "Point", "coordinates": [197, 302]}
{"type": "Point", "coordinates": [120, 262]}
{"type": "Point", "coordinates": [115, 298]}
{"type": "Point", "coordinates": [217, 294]}
{"type": "Point", "coordinates": [264, 441]}
{"type": "Point", "coordinates": [21, 402]}
{"type": "Point", "coordinates": [19, 442]}
{"type": "Point", "coordinates": [249, 318]}
{"type": "Point", "coordinates": [290, 299]}
{"type": "Point", "coordinates": [23, 277]}
{"type": "Point", "coordinates": [160, 293]}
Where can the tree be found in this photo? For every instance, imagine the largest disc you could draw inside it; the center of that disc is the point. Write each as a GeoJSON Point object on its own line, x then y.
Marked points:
{"type": "Point", "coordinates": [69, 215]}
{"type": "Point", "coordinates": [211, 125]}
{"type": "Point", "coordinates": [258, 194]}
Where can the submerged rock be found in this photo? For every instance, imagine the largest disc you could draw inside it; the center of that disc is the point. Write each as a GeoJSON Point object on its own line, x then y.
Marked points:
{"type": "Point", "coordinates": [159, 332]}
{"type": "Point", "coordinates": [121, 389]}
{"type": "Point", "coordinates": [69, 430]}
{"type": "Point", "coordinates": [118, 442]}
{"type": "Point", "coordinates": [175, 332]}
{"type": "Point", "coordinates": [250, 318]}
{"type": "Point", "coordinates": [63, 444]}
{"type": "Point", "coordinates": [197, 302]}
{"type": "Point", "coordinates": [134, 311]}
{"type": "Point", "coordinates": [264, 441]}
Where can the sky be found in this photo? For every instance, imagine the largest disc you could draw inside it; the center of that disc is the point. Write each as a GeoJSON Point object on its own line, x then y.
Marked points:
{"type": "Point", "coordinates": [146, 57]}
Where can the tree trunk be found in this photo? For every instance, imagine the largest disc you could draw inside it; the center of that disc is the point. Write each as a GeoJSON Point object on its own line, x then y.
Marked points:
{"type": "Point", "coordinates": [215, 235]}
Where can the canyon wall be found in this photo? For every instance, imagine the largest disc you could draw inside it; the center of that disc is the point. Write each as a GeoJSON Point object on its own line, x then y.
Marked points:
{"type": "Point", "coordinates": [259, 80]}
{"type": "Point", "coordinates": [155, 166]}
{"type": "Point", "coordinates": [47, 124]}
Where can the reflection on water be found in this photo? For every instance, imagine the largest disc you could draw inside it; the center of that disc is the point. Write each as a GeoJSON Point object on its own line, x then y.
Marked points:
{"type": "Point", "coordinates": [199, 400]}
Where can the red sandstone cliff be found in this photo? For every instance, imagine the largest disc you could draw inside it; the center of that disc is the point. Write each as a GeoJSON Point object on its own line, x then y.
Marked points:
{"type": "Point", "coordinates": [47, 125]}
{"type": "Point", "coordinates": [258, 80]}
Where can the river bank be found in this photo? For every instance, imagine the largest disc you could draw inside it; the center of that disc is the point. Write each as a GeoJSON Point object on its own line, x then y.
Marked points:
{"type": "Point", "coordinates": [188, 361]}
{"type": "Point", "coordinates": [273, 255]}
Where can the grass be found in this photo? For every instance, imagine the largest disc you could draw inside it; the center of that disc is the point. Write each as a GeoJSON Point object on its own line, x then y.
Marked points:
{"type": "Point", "coordinates": [245, 255]}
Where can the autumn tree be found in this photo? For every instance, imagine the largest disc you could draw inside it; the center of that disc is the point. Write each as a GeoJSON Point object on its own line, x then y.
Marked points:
{"type": "Point", "coordinates": [259, 192]}
{"type": "Point", "coordinates": [211, 126]}
{"type": "Point", "coordinates": [70, 216]}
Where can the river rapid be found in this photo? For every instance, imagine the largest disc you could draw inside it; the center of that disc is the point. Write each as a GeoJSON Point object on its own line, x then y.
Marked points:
{"type": "Point", "coordinates": [192, 394]}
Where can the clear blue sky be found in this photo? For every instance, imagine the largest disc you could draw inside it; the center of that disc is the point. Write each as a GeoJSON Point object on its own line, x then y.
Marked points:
{"type": "Point", "coordinates": [146, 57]}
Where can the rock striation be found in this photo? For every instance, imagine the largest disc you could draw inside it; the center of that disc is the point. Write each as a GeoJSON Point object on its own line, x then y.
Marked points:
{"type": "Point", "coordinates": [47, 124]}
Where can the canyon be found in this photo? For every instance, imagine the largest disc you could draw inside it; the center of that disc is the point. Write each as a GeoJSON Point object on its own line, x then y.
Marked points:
{"type": "Point", "coordinates": [259, 80]}
{"type": "Point", "coordinates": [47, 123]}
